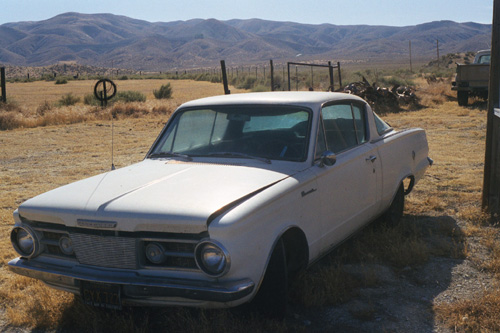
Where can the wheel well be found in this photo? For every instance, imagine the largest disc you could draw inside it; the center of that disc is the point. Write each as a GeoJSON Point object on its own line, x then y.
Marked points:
{"type": "Point", "coordinates": [408, 184]}
{"type": "Point", "coordinates": [296, 250]}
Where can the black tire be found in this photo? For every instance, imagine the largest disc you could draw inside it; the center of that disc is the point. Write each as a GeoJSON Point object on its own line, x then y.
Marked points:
{"type": "Point", "coordinates": [271, 299]}
{"type": "Point", "coordinates": [463, 98]}
{"type": "Point", "coordinates": [394, 213]}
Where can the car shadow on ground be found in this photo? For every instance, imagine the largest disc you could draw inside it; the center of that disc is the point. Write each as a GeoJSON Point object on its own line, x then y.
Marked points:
{"type": "Point", "coordinates": [385, 278]}
{"type": "Point", "coordinates": [395, 274]}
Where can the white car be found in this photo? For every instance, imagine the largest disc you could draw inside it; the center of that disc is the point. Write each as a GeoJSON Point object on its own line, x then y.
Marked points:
{"type": "Point", "coordinates": [237, 193]}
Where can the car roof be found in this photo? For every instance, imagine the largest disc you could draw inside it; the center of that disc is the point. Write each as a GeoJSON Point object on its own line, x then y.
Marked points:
{"type": "Point", "coordinates": [483, 51]}
{"type": "Point", "coordinates": [299, 98]}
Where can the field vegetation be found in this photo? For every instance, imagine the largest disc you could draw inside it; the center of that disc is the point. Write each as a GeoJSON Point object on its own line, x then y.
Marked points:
{"type": "Point", "coordinates": [46, 144]}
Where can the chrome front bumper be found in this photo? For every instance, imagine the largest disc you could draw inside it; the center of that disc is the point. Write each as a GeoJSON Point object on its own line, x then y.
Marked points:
{"type": "Point", "coordinates": [136, 289]}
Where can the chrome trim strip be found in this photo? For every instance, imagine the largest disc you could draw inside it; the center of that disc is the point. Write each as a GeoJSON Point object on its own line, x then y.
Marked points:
{"type": "Point", "coordinates": [137, 289]}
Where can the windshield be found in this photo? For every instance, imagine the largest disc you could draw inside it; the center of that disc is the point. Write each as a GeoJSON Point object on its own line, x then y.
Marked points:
{"type": "Point", "coordinates": [265, 132]}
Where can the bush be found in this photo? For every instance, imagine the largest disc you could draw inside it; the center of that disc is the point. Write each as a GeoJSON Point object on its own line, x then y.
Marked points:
{"type": "Point", "coordinates": [165, 92]}
{"type": "Point", "coordinates": [394, 81]}
{"type": "Point", "coordinates": [61, 81]}
{"type": "Point", "coordinates": [10, 116]}
{"type": "Point", "coordinates": [9, 120]}
{"type": "Point", "coordinates": [90, 99]}
{"type": "Point", "coordinates": [68, 100]}
{"type": "Point", "coordinates": [129, 96]}
{"type": "Point", "coordinates": [124, 77]}
{"type": "Point", "coordinates": [48, 77]}
{"type": "Point", "coordinates": [260, 88]}
{"type": "Point", "coordinates": [249, 83]}
{"type": "Point", "coordinates": [43, 108]}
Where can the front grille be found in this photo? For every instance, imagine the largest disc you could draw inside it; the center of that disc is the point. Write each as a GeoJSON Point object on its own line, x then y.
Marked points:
{"type": "Point", "coordinates": [111, 252]}
{"type": "Point", "coordinates": [123, 250]}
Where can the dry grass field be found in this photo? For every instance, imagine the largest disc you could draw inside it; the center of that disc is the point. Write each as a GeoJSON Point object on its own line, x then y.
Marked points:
{"type": "Point", "coordinates": [34, 160]}
{"type": "Point", "coordinates": [33, 104]}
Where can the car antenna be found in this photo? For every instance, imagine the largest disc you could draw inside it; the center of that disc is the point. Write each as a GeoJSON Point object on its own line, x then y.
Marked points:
{"type": "Point", "coordinates": [104, 90]}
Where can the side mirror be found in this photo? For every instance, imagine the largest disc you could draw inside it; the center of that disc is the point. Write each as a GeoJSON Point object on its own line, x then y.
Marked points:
{"type": "Point", "coordinates": [328, 158]}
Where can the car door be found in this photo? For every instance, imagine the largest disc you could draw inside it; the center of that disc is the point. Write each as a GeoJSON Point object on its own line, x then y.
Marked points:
{"type": "Point", "coordinates": [349, 189]}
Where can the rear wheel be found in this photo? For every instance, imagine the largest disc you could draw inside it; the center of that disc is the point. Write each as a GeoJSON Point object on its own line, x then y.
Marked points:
{"type": "Point", "coordinates": [463, 98]}
{"type": "Point", "coordinates": [271, 299]}
{"type": "Point", "coordinates": [394, 213]}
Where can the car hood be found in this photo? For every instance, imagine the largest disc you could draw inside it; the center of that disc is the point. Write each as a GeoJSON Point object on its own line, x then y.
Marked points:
{"type": "Point", "coordinates": [153, 195]}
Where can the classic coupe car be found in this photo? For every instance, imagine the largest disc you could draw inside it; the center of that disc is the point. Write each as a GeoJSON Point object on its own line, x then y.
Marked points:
{"type": "Point", "coordinates": [237, 193]}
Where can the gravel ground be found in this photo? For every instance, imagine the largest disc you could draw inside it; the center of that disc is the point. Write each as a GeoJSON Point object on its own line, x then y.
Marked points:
{"type": "Point", "coordinates": [403, 299]}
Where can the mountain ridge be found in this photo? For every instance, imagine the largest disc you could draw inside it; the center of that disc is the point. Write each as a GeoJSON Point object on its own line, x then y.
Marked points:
{"type": "Point", "coordinates": [113, 40]}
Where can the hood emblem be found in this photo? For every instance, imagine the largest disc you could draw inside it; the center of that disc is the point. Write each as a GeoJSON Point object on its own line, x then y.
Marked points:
{"type": "Point", "coordinates": [96, 224]}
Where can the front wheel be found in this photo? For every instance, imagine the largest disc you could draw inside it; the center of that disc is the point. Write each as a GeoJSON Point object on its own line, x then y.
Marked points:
{"type": "Point", "coordinates": [463, 98]}
{"type": "Point", "coordinates": [271, 299]}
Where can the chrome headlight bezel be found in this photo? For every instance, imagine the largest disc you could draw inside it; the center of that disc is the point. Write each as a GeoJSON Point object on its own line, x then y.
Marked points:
{"type": "Point", "coordinates": [25, 234]}
{"type": "Point", "coordinates": [210, 250]}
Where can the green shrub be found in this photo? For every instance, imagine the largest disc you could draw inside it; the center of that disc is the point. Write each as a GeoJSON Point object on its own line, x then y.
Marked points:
{"type": "Point", "coordinates": [68, 100]}
{"type": "Point", "coordinates": [164, 92]}
{"type": "Point", "coordinates": [90, 99]}
{"type": "Point", "coordinates": [48, 77]}
{"type": "Point", "coordinates": [124, 77]}
{"type": "Point", "coordinates": [260, 88]}
{"type": "Point", "coordinates": [61, 81]}
{"type": "Point", "coordinates": [394, 81]}
{"type": "Point", "coordinates": [249, 83]}
{"type": "Point", "coordinates": [129, 96]}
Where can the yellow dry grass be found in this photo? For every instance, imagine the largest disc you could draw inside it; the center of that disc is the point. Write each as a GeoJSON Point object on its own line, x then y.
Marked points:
{"type": "Point", "coordinates": [29, 95]}
{"type": "Point", "coordinates": [35, 160]}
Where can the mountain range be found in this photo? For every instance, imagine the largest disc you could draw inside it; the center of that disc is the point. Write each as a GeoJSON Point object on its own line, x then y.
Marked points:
{"type": "Point", "coordinates": [109, 40]}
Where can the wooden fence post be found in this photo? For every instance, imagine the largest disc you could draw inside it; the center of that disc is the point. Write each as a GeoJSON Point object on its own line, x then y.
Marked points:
{"type": "Point", "coordinates": [330, 74]}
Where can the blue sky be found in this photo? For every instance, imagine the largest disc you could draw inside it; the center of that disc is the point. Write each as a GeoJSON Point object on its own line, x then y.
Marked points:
{"type": "Point", "coordinates": [339, 12]}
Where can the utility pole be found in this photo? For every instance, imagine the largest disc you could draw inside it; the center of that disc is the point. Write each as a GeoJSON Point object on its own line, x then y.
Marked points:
{"type": "Point", "coordinates": [271, 67]}
{"type": "Point", "coordinates": [411, 69]}
{"type": "Point", "coordinates": [437, 49]}
{"type": "Point", "coordinates": [491, 180]}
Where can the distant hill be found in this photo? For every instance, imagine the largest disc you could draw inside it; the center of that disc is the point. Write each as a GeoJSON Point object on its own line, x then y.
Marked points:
{"type": "Point", "coordinates": [108, 40]}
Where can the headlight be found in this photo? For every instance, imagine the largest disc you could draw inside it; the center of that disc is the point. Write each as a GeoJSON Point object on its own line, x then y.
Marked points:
{"type": "Point", "coordinates": [212, 258]}
{"type": "Point", "coordinates": [25, 241]}
{"type": "Point", "coordinates": [155, 253]}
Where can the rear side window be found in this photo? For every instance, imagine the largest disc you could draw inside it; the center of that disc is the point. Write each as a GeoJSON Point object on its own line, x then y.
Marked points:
{"type": "Point", "coordinates": [382, 126]}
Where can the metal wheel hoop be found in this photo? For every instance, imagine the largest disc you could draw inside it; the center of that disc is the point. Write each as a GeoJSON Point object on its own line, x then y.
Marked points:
{"type": "Point", "coordinates": [104, 90]}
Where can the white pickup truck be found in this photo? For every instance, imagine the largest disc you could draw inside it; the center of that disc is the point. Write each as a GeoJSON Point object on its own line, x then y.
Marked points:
{"type": "Point", "coordinates": [473, 79]}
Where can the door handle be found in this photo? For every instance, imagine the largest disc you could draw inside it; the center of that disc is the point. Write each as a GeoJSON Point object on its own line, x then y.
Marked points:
{"type": "Point", "coordinates": [372, 158]}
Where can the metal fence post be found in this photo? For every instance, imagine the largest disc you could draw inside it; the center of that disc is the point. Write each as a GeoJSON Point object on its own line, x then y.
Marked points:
{"type": "Point", "coordinates": [224, 77]}
{"type": "Point", "coordinates": [2, 81]}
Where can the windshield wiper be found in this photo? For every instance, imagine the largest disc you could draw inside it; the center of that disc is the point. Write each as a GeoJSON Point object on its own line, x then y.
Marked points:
{"type": "Point", "coordinates": [171, 154]}
{"type": "Point", "coordinates": [234, 154]}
